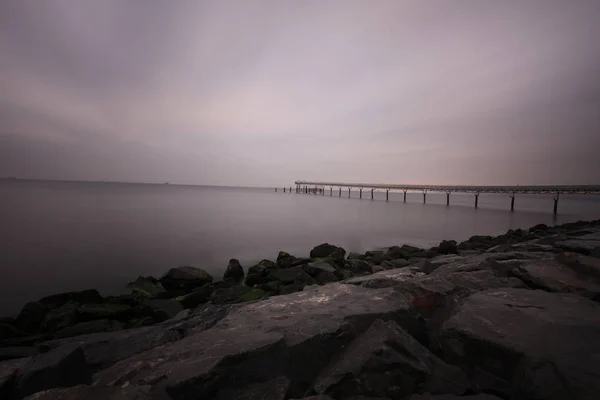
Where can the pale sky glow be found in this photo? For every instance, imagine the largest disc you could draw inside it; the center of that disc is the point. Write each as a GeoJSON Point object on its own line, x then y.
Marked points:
{"type": "Point", "coordinates": [267, 92]}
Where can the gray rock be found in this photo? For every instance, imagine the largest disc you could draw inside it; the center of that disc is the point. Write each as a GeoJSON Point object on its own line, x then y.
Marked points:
{"type": "Point", "coordinates": [428, 396]}
{"type": "Point", "coordinates": [234, 271]}
{"type": "Point", "coordinates": [84, 392]}
{"type": "Point", "coordinates": [385, 279]}
{"type": "Point", "coordinates": [358, 266]}
{"type": "Point", "coordinates": [540, 345]}
{"type": "Point", "coordinates": [163, 310]}
{"type": "Point", "coordinates": [84, 296]}
{"type": "Point", "coordinates": [8, 376]}
{"type": "Point", "coordinates": [236, 294]}
{"type": "Point", "coordinates": [9, 353]}
{"type": "Point", "coordinates": [62, 367]}
{"type": "Point", "coordinates": [147, 286]}
{"type": "Point", "coordinates": [447, 247]}
{"type": "Point", "coordinates": [355, 256]}
{"type": "Point", "coordinates": [61, 317]}
{"type": "Point", "coordinates": [185, 278]}
{"type": "Point", "coordinates": [258, 274]}
{"type": "Point", "coordinates": [581, 245]}
{"type": "Point", "coordinates": [408, 366]}
{"type": "Point", "coordinates": [284, 260]}
{"type": "Point", "coordinates": [118, 312]}
{"type": "Point", "coordinates": [84, 328]}
{"type": "Point", "coordinates": [295, 275]}
{"type": "Point", "coordinates": [274, 389]}
{"type": "Point", "coordinates": [328, 250]}
{"type": "Point", "coordinates": [326, 277]}
{"type": "Point", "coordinates": [183, 314]}
{"type": "Point", "coordinates": [395, 263]}
{"type": "Point", "coordinates": [293, 335]}
{"type": "Point", "coordinates": [197, 297]}
{"type": "Point", "coordinates": [31, 317]}
{"type": "Point", "coordinates": [289, 289]}
{"type": "Point", "coordinates": [315, 268]}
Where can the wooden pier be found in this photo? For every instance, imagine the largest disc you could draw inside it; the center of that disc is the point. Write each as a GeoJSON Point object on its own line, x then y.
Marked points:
{"type": "Point", "coordinates": [310, 187]}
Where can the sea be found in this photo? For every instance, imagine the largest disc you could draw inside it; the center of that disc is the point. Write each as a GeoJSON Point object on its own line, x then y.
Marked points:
{"type": "Point", "coordinates": [58, 236]}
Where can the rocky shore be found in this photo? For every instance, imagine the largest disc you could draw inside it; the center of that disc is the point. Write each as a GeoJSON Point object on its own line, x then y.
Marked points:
{"type": "Point", "coordinates": [515, 316]}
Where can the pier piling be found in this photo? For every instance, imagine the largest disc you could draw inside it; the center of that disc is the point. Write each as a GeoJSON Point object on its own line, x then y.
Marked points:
{"type": "Point", "coordinates": [512, 202]}
{"type": "Point", "coordinates": [360, 193]}
{"type": "Point", "coordinates": [447, 198]}
{"type": "Point", "coordinates": [387, 195]}
{"type": "Point", "coordinates": [556, 203]}
{"type": "Point", "coordinates": [405, 196]}
{"type": "Point", "coordinates": [372, 193]}
{"type": "Point", "coordinates": [476, 199]}
{"type": "Point", "coordinates": [424, 197]}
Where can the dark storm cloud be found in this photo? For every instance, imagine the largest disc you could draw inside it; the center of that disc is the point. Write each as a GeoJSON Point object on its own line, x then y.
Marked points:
{"type": "Point", "coordinates": [265, 92]}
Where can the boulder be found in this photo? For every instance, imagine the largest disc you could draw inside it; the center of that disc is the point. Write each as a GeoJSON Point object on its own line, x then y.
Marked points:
{"type": "Point", "coordinates": [8, 376]}
{"type": "Point", "coordinates": [162, 309]}
{"type": "Point", "coordinates": [289, 289]}
{"type": "Point", "coordinates": [447, 247]}
{"type": "Point", "coordinates": [395, 263]}
{"type": "Point", "coordinates": [257, 274]}
{"type": "Point", "coordinates": [274, 389]}
{"type": "Point", "coordinates": [62, 367]}
{"type": "Point", "coordinates": [478, 242]}
{"type": "Point", "coordinates": [385, 279]}
{"type": "Point", "coordinates": [185, 278]}
{"type": "Point", "coordinates": [326, 277]}
{"type": "Point", "coordinates": [197, 297]}
{"type": "Point", "coordinates": [31, 317]}
{"type": "Point", "coordinates": [405, 252]}
{"type": "Point", "coordinates": [85, 392]}
{"type": "Point", "coordinates": [355, 256]}
{"type": "Point", "coordinates": [61, 317]}
{"type": "Point", "coordinates": [328, 250]}
{"type": "Point", "coordinates": [291, 275]}
{"type": "Point", "coordinates": [293, 336]}
{"type": "Point", "coordinates": [581, 245]}
{"type": "Point", "coordinates": [386, 361]}
{"type": "Point", "coordinates": [528, 343]}
{"type": "Point", "coordinates": [538, 227]}
{"type": "Point", "coordinates": [284, 260]}
{"type": "Point", "coordinates": [181, 315]}
{"type": "Point", "coordinates": [147, 287]}
{"type": "Point", "coordinates": [8, 331]}
{"type": "Point", "coordinates": [315, 268]}
{"type": "Point", "coordinates": [236, 294]}
{"type": "Point", "coordinates": [375, 257]}
{"type": "Point", "coordinates": [9, 353]}
{"type": "Point", "coordinates": [271, 288]}
{"type": "Point", "coordinates": [358, 267]}
{"type": "Point", "coordinates": [84, 328]}
{"type": "Point", "coordinates": [234, 271]}
{"type": "Point", "coordinates": [119, 312]}
{"type": "Point", "coordinates": [84, 296]}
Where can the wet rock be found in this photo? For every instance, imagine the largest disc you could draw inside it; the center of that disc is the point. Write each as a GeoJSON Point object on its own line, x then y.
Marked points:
{"type": "Point", "coordinates": [163, 310]}
{"type": "Point", "coordinates": [289, 289]}
{"type": "Point", "coordinates": [271, 288]}
{"type": "Point", "coordinates": [236, 294]}
{"type": "Point", "coordinates": [315, 268]}
{"type": "Point", "coordinates": [580, 245]}
{"type": "Point", "coordinates": [234, 271]}
{"type": "Point", "coordinates": [447, 247]}
{"type": "Point", "coordinates": [385, 279]}
{"type": "Point", "coordinates": [291, 275]}
{"type": "Point", "coordinates": [284, 260]}
{"type": "Point", "coordinates": [84, 328]}
{"type": "Point", "coordinates": [62, 367]}
{"type": "Point", "coordinates": [61, 317]}
{"type": "Point", "coordinates": [186, 278]}
{"type": "Point", "coordinates": [31, 317]}
{"type": "Point", "coordinates": [293, 335]}
{"type": "Point", "coordinates": [540, 345]}
{"type": "Point", "coordinates": [478, 242]}
{"type": "Point", "coordinates": [9, 353]}
{"type": "Point", "coordinates": [538, 227]}
{"type": "Point", "coordinates": [258, 274]}
{"type": "Point", "coordinates": [386, 361]}
{"type": "Point", "coordinates": [328, 250]}
{"type": "Point", "coordinates": [355, 256]}
{"type": "Point", "coordinates": [8, 376]}
{"type": "Point", "coordinates": [358, 267]}
{"type": "Point", "coordinates": [119, 312]}
{"type": "Point", "coordinates": [326, 277]}
{"type": "Point", "coordinates": [147, 287]}
{"type": "Point", "coordinates": [274, 389]}
{"type": "Point", "coordinates": [84, 296]}
{"type": "Point", "coordinates": [84, 392]}
{"type": "Point", "coordinates": [395, 263]}
{"type": "Point", "coordinates": [183, 314]}
{"type": "Point", "coordinates": [375, 257]}
{"type": "Point", "coordinates": [197, 297]}
{"type": "Point", "coordinates": [405, 251]}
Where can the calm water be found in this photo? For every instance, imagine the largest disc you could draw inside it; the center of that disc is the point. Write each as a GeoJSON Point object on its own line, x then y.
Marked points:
{"type": "Point", "coordinates": [61, 236]}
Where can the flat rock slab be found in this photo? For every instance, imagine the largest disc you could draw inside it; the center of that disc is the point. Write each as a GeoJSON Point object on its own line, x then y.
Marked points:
{"type": "Point", "coordinates": [292, 335]}
{"type": "Point", "coordinates": [385, 279]}
{"type": "Point", "coordinates": [8, 376]}
{"type": "Point", "coordinates": [581, 245]}
{"type": "Point", "coordinates": [84, 392]}
{"type": "Point", "coordinates": [532, 343]}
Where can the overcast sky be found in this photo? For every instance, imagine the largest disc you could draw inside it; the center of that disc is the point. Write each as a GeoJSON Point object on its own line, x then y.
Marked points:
{"type": "Point", "coordinates": [267, 92]}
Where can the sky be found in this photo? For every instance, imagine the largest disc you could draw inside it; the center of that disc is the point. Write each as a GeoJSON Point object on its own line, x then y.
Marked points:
{"type": "Point", "coordinates": [263, 93]}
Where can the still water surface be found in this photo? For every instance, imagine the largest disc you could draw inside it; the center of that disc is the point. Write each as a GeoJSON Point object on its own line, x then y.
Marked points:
{"type": "Point", "coordinates": [61, 236]}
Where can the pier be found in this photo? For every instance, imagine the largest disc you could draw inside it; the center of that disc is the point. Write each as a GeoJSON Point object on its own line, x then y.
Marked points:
{"type": "Point", "coordinates": [318, 188]}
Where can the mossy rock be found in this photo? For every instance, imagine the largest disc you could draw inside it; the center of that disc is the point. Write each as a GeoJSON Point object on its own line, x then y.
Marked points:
{"type": "Point", "coordinates": [83, 296]}
{"type": "Point", "coordinates": [197, 297]}
{"type": "Point", "coordinates": [147, 287]}
{"type": "Point", "coordinates": [118, 312]}
{"type": "Point", "coordinates": [237, 294]}
{"type": "Point", "coordinates": [186, 278]}
{"type": "Point", "coordinates": [284, 260]}
{"type": "Point", "coordinates": [258, 274]}
{"type": "Point", "coordinates": [61, 317]}
{"type": "Point", "coordinates": [328, 250]}
{"type": "Point", "coordinates": [31, 317]}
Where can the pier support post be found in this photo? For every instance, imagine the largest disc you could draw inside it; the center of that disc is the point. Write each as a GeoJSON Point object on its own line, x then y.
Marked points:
{"type": "Point", "coordinates": [348, 192]}
{"type": "Point", "coordinates": [405, 196]}
{"type": "Point", "coordinates": [283, 190]}
{"type": "Point", "coordinates": [331, 191]}
{"type": "Point", "coordinates": [476, 199]}
{"type": "Point", "coordinates": [340, 192]}
{"type": "Point", "coordinates": [424, 197]}
{"type": "Point", "coordinates": [556, 203]}
{"type": "Point", "coordinates": [512, 202]}
{"type": "Point", "coordinates": [360, 193]}
{"type": "Point", "coordinates": [372, 193]}
{"type": "Point", "coordinates": [387, 195]}
{"type": "Point", "coordinates": [447, 198]}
